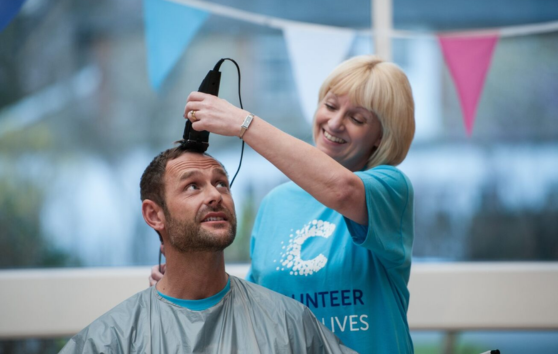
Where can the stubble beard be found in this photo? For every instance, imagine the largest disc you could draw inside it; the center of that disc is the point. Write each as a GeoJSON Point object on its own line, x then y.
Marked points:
{"type": "Point", "coordinates": [189, 235]}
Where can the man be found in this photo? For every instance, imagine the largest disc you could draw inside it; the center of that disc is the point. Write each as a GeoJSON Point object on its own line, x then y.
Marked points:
{"type": "Point", "coordinates": [197, 307]}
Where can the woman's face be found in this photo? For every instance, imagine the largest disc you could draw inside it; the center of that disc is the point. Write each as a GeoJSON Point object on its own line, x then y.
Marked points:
{"type": "Point", "coordinates": [346, 132]}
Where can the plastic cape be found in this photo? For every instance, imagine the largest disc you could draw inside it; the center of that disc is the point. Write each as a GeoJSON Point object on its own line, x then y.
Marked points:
{"type": "Point", "coordinates": [249, 319]}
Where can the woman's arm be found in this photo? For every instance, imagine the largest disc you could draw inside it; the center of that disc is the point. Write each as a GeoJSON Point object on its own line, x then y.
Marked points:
{"type": "Point", "coordinates": [313, 170]}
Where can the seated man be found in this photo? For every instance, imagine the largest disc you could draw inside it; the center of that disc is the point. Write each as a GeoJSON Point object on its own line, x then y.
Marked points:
{"type": "Point", "coordinates": [197, 307]}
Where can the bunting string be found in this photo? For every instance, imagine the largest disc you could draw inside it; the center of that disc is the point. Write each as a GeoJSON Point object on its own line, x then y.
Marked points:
{"type": "Point", "coordinates": [279, 23]}
{"type": "Point", "coordinates": [263, 20]}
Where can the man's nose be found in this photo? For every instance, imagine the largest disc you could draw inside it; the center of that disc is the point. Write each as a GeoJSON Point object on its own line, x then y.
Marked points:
{"type": "Point", "coordinates": [213, 196]}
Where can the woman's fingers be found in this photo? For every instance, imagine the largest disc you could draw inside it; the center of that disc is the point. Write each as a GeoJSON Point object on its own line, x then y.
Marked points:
{"type": "Point", "coordinates": [211, 113]}
{"type": "Point", "coordinates": [191, 106]}
{"type": "Point", "coordinates": [198, 96]}
{"type": "Point", "coordinates": [194, 102]}
{"type": "Point", "coordinates": [156, 275]}
{"type": "Point", "coordinates": [191, 115]}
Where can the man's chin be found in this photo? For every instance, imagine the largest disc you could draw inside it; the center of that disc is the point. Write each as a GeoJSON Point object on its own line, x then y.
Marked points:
{"type": "Point", "coordinates": [217, 233]}
{"type": "Point", "coordinates": [219, 243]}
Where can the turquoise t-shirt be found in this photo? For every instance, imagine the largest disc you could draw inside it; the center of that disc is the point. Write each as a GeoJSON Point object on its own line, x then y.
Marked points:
{"type": "Point", "coordinates": [353, 277]}
{"type": "Point", "coordinates": [199, 305]}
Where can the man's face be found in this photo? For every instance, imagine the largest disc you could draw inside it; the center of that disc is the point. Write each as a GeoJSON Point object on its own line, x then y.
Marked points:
{"type": "Point", "coordinates": [200, 212]}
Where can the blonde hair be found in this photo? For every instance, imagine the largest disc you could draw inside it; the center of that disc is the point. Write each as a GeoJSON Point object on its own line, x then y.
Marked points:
{"type": "Point", "coordinates": [383, 89]}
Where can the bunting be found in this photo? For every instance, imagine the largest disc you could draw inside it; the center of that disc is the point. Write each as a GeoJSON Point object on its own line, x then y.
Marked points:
{"type": "Point", "coordinates": [316, 49]}
{"type": "Point", "coordinates": [312, 60]}
{"type": "Point", "coordinates": [169, 28]}
{"type": "Point", "coordinates": [468, 60]}
{"type": "Point", "coordinates": [8, 10]}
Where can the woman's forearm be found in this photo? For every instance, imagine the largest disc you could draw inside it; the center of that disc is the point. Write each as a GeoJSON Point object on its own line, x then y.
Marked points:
{"type": "Point", "coordinates": [313, 170]}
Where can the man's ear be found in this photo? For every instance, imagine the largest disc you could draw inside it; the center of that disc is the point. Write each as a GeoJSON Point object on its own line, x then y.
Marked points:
{"type": "Point", "coordinates": [153, 215]}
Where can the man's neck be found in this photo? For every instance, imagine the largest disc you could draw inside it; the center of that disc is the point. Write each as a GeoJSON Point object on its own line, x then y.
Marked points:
{"type": "Point", "coordinates": [193, 276]}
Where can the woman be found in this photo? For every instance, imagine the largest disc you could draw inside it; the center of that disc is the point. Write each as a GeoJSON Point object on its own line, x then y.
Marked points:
{"type": "Point", "coordinates": [339, 236]}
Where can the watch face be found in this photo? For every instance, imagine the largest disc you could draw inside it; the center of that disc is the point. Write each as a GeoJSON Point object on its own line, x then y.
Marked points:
{"type": "Point", "coordinates": [247, 121]}
{"type": "Point", "coordinates": [246, 124]}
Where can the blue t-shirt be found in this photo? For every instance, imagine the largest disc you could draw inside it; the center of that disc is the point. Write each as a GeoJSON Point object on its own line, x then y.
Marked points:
{"type": "Point", "coordinates": [202, 304]}
{"type": "Point", "coordinates": [353, 277]}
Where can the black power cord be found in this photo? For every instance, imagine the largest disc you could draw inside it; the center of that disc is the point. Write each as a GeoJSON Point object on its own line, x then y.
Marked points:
{"type": "Point", "coordinates": [241, 106]}
{"type": "Point", "coordinates": [214, 88]}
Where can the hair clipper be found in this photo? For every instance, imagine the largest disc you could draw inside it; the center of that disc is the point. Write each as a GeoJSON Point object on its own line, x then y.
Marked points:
{"type": "Point", "coordinates": [199, 140]}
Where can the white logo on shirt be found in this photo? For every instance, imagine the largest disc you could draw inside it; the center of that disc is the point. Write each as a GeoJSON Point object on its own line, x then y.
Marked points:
{"type": "Point", "coordinates": [290, 259]}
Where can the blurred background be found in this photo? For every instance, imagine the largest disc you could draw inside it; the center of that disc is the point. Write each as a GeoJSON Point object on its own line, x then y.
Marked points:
{"type": "Point", "coordinates": [79, 122]}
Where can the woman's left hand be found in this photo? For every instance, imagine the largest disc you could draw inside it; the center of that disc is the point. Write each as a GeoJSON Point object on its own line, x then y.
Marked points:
{"type": "Point", "coordinates": [216, 115]}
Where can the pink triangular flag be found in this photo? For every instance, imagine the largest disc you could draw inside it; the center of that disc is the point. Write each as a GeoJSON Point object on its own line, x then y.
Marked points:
{"type": "Point", "coordinates": [468, 59]}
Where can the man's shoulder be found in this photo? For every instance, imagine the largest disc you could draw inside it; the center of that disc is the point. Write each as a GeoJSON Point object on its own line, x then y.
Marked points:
{"type": "Point", "coordinates": [113, 325]}
{"type": "Point", "coordinates": [133, 304]}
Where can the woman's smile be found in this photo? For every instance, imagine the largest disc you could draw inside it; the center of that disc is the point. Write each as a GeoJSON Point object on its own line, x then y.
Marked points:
{"type": "Point", "coordinates": [333, 138]}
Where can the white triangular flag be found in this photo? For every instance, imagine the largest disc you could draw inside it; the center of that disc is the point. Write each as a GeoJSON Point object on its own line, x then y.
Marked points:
{"type": "Point", "coordinates": [314, 54]}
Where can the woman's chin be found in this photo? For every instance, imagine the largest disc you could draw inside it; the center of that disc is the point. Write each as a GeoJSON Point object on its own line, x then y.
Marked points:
{"type": "Point", "coordinates": [333, 153]}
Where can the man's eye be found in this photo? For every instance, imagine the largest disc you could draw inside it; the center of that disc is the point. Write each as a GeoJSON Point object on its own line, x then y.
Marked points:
{"type": "Point", "coordinates": [191, 187]}
{"type": "Point", "coordinates": [222, 185]}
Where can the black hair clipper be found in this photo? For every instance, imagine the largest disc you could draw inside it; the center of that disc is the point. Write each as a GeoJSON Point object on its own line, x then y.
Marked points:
{"type": "Point", "coordinates": [199, 140]}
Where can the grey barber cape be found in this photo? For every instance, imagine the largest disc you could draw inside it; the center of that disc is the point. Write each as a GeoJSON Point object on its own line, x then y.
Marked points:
{"type": "Point", "coordinates": [249, 319]}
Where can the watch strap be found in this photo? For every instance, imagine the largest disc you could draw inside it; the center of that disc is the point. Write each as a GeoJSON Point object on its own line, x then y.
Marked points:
{"type": "Point", "coordinates": [246, 124]}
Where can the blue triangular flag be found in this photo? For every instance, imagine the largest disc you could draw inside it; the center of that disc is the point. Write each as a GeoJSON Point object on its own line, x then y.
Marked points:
{"type": "Point", "coordinates": [169, 28]}
{"type": "Point", "coordinates": [8, 10]}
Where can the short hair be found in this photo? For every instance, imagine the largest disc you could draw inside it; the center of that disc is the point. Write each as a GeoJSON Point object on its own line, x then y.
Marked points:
{"type": "Point", "coordinates": [152, 183]}
{"type": "Point", "coordinates": [382, 88]}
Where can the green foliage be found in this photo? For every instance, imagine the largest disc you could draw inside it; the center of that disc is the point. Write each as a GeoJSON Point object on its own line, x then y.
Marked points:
{"type": "Point", "coordinates": [461, 348]}
{"type": "Point", "coordinates": [43, 346]}
{"type": "Point", "coordinates": [239, 251]}
{"type": "Point", "coordinates": [22, 244]}
{"type": "Point", "coordinates": [427, 349]}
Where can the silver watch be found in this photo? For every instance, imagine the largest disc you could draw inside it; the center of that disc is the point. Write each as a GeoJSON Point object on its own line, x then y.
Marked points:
{"type": "Point", "coordinates": [245, 124]}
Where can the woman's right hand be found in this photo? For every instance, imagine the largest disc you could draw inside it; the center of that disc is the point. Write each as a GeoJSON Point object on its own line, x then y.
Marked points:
{"type": "Point", "coordinates": [214, 114]}
{"type": "Point", "coordinates": [156, 275]}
